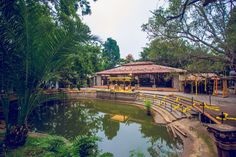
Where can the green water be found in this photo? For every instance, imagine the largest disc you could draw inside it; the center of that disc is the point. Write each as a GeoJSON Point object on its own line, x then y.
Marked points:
{"type": "Point", "coordinates": [123, 128]}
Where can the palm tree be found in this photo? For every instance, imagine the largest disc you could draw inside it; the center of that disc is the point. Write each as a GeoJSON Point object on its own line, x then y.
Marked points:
{"type": "Point", "coordinates": [35, 43]}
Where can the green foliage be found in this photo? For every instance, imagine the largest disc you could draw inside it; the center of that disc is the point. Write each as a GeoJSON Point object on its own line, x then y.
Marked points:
{"type": "Point", "coordinates": [180, 54]}
{"type": "Point", "coordinates": [110, 54]}
{"type": "Point", "coordinates": [231, 35]}
{"type": "Point", "coordinates": [136, 153]}
{"type": "Point", "coordinates": [50, 143]}
{"type": "Point", "coordinates": [107, 155]}
{"type": "Point", "coordinates": [85, 146]}
{"type": "Point", "coordinates": [56, 146]}
{"type": "Point", "coordinates": [83, 64]}
{"type": "Point", "coordinates": [147, 104]}
{"type": "Point", "coordinates": [38, 43]}
{"type": "Point", "coordinates": [202, 27]}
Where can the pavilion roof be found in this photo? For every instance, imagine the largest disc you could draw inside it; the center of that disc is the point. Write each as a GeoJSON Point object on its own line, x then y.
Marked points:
{"type": "Point", "coordinates": [199, 76]}
{"type": "Point", "coordinates": [140, 68]}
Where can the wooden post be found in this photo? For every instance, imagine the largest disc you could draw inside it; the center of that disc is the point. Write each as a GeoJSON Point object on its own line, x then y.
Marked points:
{"type": "Point", "coordinates": [215, 92]}
{"type": "Point", "coordinates": [225, 89]}
{"type": "Point", "coordinates": [196, 84]}
{"type": "Point", "coordinates": [210, 99]}
{"type": "Point", "coordinates": [214, 87]}
{"type": "Point", "coordinates": [203, 107]}
{"type": "Point", "coordinates": [192, 87]}
{"type": "Point", "coordinates": [180, 87]}
{"type": "Point", "coordinates": [154, 81]}
{"type": "Point", "coordinates": [124, 86]}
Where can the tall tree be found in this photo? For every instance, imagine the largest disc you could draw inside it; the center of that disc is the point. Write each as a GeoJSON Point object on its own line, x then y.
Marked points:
{"type": "Point", "coordinates": [179, 53]}
{"type": "Point", "coordinates": [82, 66]}
{"type": "Point", "coordinates": [35, 44]}
{"type": "Point", "coordinates": [111, 53]}
{"type": "Point", "coordinates": [201, 25]}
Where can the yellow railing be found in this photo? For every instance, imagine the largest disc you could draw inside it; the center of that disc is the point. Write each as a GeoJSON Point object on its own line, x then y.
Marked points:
{"type": "Point", "coordinates": [186, 106]}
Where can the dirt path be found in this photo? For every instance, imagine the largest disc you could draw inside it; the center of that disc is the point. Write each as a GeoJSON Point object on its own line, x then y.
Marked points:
{"type": "Point", "coordinates": [199, 142]}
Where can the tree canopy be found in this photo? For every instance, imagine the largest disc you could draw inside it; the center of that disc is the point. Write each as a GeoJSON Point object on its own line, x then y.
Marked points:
{"type": "Point", "coordinates": [110, 53]}
{"type": "Point", "coordinates": [202, 26]}
{"type": "Point", "coordinates": [39, 40]}
{"type": "Point", "coordinates": [179, 53]}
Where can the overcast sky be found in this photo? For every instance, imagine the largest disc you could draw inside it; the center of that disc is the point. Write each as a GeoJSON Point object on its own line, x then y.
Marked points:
{"type": "Point", "coordinates": [122, 20]}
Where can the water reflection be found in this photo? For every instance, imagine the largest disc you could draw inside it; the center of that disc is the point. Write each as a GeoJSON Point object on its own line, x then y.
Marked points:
{"type": "Point", "coordinates": [122, 127]}
{"type": "Point", "coordinates": [110, 127]}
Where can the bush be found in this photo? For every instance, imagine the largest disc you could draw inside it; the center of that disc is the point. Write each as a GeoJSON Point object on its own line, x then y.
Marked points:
{"type": "Point", "coordinates": [56, 146]}
{"type": "Point", "coordinates": [148, 105]}
{"type": "Point", "coordinates": [85, 146]}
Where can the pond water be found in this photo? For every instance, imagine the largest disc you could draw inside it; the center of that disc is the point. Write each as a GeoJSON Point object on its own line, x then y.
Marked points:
{"type": "Point", "coordinates": [122, 127]}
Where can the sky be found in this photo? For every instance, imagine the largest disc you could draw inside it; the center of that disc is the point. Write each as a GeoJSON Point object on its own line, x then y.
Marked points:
{"type": "Point", "coordinates": [122, 21]}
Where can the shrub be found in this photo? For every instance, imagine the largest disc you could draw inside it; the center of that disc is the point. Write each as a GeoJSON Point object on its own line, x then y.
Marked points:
{"type": "Point", "coordinates": [148, 105]}
{"type": "Point", "coordinates": [56, 146]}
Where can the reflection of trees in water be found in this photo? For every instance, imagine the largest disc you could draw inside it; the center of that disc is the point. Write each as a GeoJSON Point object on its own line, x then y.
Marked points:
{"type": "Point", "coordinates": [161, 143]}
{"type": "Point", "coordinates": [71, 119]}
{"type": "Point", "coordinates": [110, 127]}
{"type": "Point", "coordinates": [67, 119]}
{"type": "Point", "coordinates": [161, 149]}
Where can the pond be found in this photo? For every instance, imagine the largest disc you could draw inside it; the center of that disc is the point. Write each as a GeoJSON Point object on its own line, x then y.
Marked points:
{"type": "Point", "coordinates": [122, 127]}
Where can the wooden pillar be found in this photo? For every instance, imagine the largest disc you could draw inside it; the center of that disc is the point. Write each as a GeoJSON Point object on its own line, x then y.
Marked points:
{"type": "Point", "coordinates": [180, 87]}
{"type": "Point", "coordinates": [225, 88]}
{"type": "Point", "coordinates": [124, 85]}
{"type": "Point", "coordinates": [196, 86]}
{"type": "Point", "coordinates": [214, 87]}
{"type": "Point", "coordinates": [154, 82]}
{"type": "Point", "coordinates": [205, 85]}
{"type": "Point", "coordinates": [215, 92]}
{"type": "Point", "coordinates": [192, 86]}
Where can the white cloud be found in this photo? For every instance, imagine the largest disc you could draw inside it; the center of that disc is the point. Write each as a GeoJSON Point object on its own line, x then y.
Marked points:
{"type": "Point", "coordinates": [122, 20]}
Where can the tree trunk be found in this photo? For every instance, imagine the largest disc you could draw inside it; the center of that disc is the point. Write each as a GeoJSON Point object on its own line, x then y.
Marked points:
{"type": "Point", "coordinates": [148, 111]}
{"type": "Point", "coordinates": [16, 136]}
